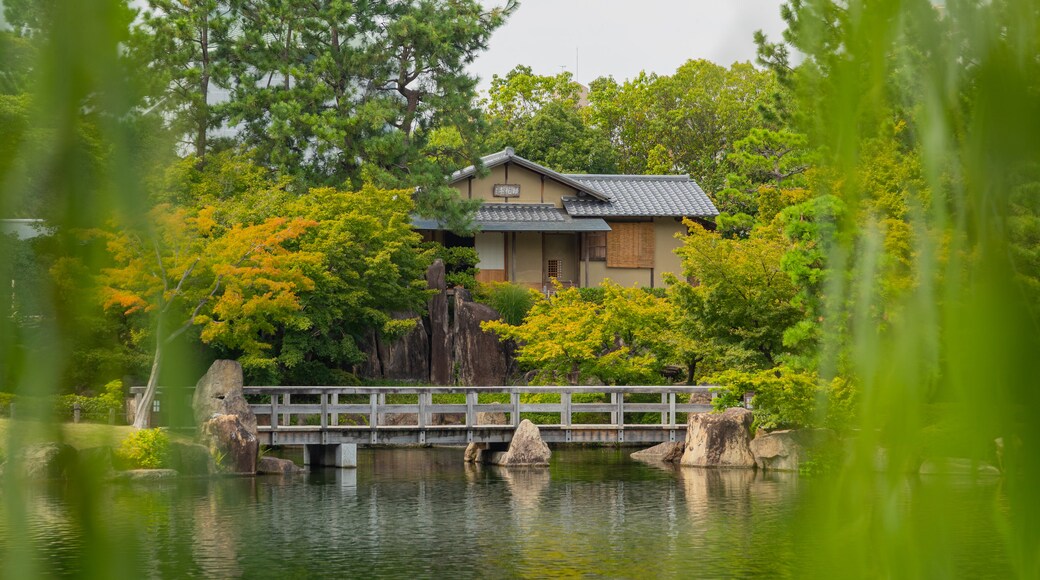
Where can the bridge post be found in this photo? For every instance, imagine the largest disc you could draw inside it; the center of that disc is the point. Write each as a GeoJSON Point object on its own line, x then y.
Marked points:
{"type": "Point", "coordinates": [335, 414]}
{"type": "Point", "coordinates": [514, 399]}
{"type": "Point", "coordinates": [613, 414]}
{"type": "Point", "coordinates": [274, 411]}
{"type": "Point", "coordinates": [565, 400]}
{"type": "Point", "coordinates": [470, 419]}
{"type": "Point", "coordinates": [324, 411]}
{"type": "Point", "coordinates": [671, 409]}
{"type": "Point", "coordinates": [334, 455]}
{"type": "Point", "coordinates": [422, 411]}
{"type": "Point", "coordinates": [373, 413]}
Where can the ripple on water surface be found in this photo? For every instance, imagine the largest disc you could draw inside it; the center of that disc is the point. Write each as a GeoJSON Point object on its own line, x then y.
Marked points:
{"type": "Point", "coordinates": [422, 513]}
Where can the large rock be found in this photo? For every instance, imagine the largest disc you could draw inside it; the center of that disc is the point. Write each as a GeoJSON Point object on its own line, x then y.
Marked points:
{"type": "Point", "coordinates": [408, 357]}
{"type": "Point", "coordinates": [219, 392]}
{"type": "Point", "coordinates": [46, 461]}
{"type": "Point", "coordinates": [479, 452]}
{"type": "Point", "coordinates": [230, 440]}
{"type": "Point", "coordinates": [191, 459]}
{"type": "Point", "coordinates": [526, 448]}
{"type": "Point", "coordinates": [480, 358]}
{"type": "Point", "coordinates": [719, 439]}
{"type": "Point", "coordinates": [785, 450]}
{"type": "Point", "coordinates": [440, 329]}
{"type": "Point", "coordinates": [277, 466]}
{"type": "Point", "coordinates": [668, 452]}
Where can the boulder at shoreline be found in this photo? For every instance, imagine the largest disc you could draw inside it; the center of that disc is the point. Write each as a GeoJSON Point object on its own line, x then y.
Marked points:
{"type": "Point", "coordinates": [719, 439]}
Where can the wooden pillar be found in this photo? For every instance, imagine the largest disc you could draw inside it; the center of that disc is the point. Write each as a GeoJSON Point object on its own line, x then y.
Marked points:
{"type": "Point", "coordinates": [585, 257]}
{"type": "Point", "coordinates": [512, 257]}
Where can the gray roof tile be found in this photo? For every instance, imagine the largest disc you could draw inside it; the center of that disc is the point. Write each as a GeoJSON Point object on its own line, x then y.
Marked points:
{"type": "Point", "coordinates": [523, 217]}
{"type": "Point", "coordinates": [641, 195]}
{"type": "Point", "coordinates": [513, 212]}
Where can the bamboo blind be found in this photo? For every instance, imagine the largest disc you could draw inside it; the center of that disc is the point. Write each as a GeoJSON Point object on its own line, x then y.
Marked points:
{"type": "Point", "coordinates": [630, 245]}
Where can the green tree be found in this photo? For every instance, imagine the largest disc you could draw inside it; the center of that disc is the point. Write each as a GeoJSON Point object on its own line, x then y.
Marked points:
{"type": "Point", "coordinates": [366, 269]}
{"type": "Point", "coordinates": [337, 93]}
{"type": "Point", "coordinates": [769, 175]}
{"type": "Point", "coordinates": [740, 295]}
{"type": "Point", "coordinates": [235, 284]}
{"type": "Point", "coordinates": [687, 122]}
{"type": "Point", "coordinates": [543, 118]}
{"type": "Point", "coordinates": [185, 45]}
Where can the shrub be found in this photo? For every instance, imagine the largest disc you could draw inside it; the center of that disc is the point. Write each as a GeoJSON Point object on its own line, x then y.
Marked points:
{"type": "Point", "coordinates": [785, 398]}
{"type": "Point", "coordinates": [512, 301]}
{"type": "Point", "coordinates": [92, 407]}
{"type": "Point", "coordinates": [5, 403]}
{"type": "Point", "coordinates": [596, 294]}
{"type": "Point", "coordinates": [460, 265]}
{"type": "Point", "coordinates": [146, 449]}
{"type": "Point", "coordinates": [593, 294]}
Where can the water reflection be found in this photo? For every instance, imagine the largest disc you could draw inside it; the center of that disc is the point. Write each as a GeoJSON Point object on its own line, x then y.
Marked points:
{"type": "Point", "coordinates": [422, 512]}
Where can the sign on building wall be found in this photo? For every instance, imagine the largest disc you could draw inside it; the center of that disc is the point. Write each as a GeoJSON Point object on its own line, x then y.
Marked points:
{"type": "Point", "coordinates": [506, 190]}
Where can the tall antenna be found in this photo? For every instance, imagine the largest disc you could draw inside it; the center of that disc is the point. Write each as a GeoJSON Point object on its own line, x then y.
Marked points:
{"type": "Point", "coordinates": [576, 61]}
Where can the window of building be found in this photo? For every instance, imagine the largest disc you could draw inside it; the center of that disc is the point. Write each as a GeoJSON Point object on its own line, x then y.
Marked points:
{"type": "Point", "coordinates": [630, 245]}
{"type": "Point", "coordinates": [597, 246]}
{"type": "Point", "coordinates": [553, 268]}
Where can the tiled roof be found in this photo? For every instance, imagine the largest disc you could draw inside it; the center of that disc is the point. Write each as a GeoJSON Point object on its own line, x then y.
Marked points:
{"type": "Point", "coordinates": [642, 195]}
{"type": "Point", "coordinates": [523, 217]}
{"type": "Point", "coordinates": [517, 212]}
{"type": "Point", "coordinates": [507, 155]}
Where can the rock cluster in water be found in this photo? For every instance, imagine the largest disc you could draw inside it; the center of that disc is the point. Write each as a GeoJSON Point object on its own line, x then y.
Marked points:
{"type": "Point", "coordinates": [525, 449]}
{"type": "Point", "coordinates": [724, 440]}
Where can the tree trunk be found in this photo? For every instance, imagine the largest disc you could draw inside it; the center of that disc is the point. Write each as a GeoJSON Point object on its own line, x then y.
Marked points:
{"type": "Point", "coordinates": [142, 418]}
{"type": "Point", "coordinates": [202, 113]}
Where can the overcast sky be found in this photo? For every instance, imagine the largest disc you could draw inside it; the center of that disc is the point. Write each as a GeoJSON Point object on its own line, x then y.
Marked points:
{"type": "Point", "coordinates": [623, 37]}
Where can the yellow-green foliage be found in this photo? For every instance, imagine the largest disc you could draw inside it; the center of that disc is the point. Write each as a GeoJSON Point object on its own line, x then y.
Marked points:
{"type": "Point", "coordinates": [567, 339]}
{"type": "Point", "coordinates": [146, 449]}
{"type": "Point", "coordinates": [787, 398]}
{"type": "Point", "coordinates": [5, 403]}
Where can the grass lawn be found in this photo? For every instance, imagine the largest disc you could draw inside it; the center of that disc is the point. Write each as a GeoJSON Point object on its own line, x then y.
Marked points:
{"type": "Point", "coordinates": [79, 435]}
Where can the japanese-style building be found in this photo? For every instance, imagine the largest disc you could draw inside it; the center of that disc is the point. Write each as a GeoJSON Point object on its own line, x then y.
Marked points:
{"type": "Point", "coordinates": [536, 224]}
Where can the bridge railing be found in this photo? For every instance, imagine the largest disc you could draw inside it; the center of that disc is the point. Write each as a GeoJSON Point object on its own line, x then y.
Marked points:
{"type": "Point", "coordinates": [281, 409]}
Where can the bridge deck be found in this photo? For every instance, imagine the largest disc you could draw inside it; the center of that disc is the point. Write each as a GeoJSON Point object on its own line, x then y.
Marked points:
{"type": "Point", "coordinates": [451, 415]}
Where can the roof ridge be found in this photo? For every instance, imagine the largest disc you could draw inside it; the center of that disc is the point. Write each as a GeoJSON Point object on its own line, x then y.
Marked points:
{"type": "Point", "coordinates": [517, 204]}
{"type": "Point", "coordinates": [508, 155]}
{"type": "Point", "coordinates": [623, 176]}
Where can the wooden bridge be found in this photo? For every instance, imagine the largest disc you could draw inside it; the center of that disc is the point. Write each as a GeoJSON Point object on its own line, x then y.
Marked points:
{"type": "Point", "coordinates": [421, 415]}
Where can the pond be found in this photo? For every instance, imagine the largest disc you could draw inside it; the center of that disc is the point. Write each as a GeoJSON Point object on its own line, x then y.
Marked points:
{"type": "Point", "coordinates": [423, 513]}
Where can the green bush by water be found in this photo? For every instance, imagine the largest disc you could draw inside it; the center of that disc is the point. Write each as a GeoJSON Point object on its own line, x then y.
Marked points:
{"type": "Point", "coordinates": [146, 449]}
